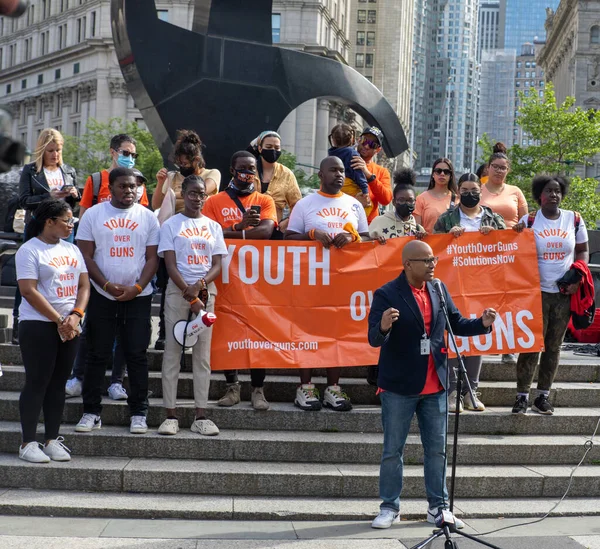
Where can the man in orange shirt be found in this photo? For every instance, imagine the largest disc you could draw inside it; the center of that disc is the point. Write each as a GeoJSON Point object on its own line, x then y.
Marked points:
{"type": "Point", "coordinates": [122, 151]}
{"type": "Point", "coordinates": [243, 213]}
{"type": "Point", "coordinates": [378, 177]}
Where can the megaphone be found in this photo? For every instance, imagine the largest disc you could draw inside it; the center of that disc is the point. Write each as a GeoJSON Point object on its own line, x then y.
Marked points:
{"type": "Point", "coordinates": [186, 332]}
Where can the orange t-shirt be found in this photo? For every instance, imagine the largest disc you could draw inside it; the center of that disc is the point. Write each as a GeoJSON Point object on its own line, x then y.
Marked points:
{"type": "Point", "coordinates": [222, 209]}
{"type": "Point", "coordinates": [510, 203]}
{"type": "Point", "coordinates": [87, 199]}
{"type": "Point", "coordinates": [380, 190]}
{"type": "Point", "coordinates": [429, 208]}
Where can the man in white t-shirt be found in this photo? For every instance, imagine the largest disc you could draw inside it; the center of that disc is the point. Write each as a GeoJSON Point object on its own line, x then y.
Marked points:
{"type": "Point", "coordinates": [119, 240]}
{"type": "Point", "coordinates": [333, 219]}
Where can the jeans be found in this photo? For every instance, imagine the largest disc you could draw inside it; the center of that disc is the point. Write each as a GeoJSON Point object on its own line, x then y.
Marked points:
{"type": "Point", "coordinates": [129, 322]}
{"type": "Point", "coordinates": [397, 412]}
{"type": "Point", "coordinates": [47, 362]}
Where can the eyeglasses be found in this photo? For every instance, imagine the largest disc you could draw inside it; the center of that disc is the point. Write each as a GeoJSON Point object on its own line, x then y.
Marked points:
{"type": "Point", "coordinates": [499, 168]}
{"type": "Point", "coordinates": [440, 171]}
{"type": "Point", "coordinates": [127, 153]}
{"type": "Point", "coordinates": [429, 261]}
{"type": "Point", "coordinates": [194, 195]}
{"type": "Point", "coordinates": [370, 143]}
{"type": "Point", "coordinates": [70, 221]}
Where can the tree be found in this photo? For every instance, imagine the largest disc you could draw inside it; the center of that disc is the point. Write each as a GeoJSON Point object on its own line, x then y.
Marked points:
{"type": "Point", "coordinates": [89, 153]}
{"type": "Point", "coordinates": [563, 137]}
{"type": "Point", "coordinates": [304, 180]}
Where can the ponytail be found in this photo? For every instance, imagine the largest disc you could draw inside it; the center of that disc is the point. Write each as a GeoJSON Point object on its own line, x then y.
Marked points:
{"type": "Point", "coordinates": [48, 209]}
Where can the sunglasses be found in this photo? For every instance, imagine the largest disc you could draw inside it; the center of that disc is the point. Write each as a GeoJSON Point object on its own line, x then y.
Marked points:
{"type": "Point", "coordinates": [370, 143]}
{"type": "Point", "coordinates": [127, 153]}
{"type": "Point", "coordinates": [440, 171]}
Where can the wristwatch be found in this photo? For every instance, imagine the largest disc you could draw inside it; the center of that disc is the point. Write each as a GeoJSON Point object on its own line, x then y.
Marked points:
{"type": "Point", "coordinates": [373, 177]}
{"type": "Point", "coordinates": [60, 319]}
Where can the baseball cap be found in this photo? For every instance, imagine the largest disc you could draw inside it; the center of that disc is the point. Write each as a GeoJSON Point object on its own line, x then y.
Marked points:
{"type": "Point", "coordinates": [374, 130]}
{"type": "Point", "coordinates": [139, 174]}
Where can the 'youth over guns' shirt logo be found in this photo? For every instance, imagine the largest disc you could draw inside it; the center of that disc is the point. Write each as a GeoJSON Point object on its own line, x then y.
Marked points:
{"type": "Point", "coordinates": [199, 238]}
{"type": "Point", "coordinates": [121, 223]}
{"type": "Point", "coordinates": [554, 244]}
{"type": "Point", "coordinates": [333, 219]}
{"type": "Point", "coordinates": [68, 283]}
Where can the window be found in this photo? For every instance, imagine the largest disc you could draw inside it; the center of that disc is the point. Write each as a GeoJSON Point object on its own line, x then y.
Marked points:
{"type": "Point", "coordinates": [518, 74]}
{"type": "Point", "coordinates": [58, 106]}
{"type": "Point", "coordinates": [360, 60]}
{"type": "Point", "coordinates": [44, 46]}
{"type": "Point", "coordinates": [57, 74]}
{"type": "Point", "coordinates": [163, 15]}
{"type": "Point", "coordinates": [63, 5]}
{"type": "Point", "coordinates": [39, 107]}
{"type": "Point", "coordinates": [93, 24]}
{"type": "Point", "coordinates": [28, 47]}
{"type": "Point", "coordinates": [362, 16]}
{"type": "Point", "coordinates": [541, 93]}
{"type": "Point", "coordinates": [369, 61]}
{"type": "Point", "coordinates": [79, 31]}
{"type": "Point", "coordinates": [541, 83]}
{"type": "Point", "coordinates": [276, 28]}
{"type": "Point", "coordinates": [528, 74]}
{"type": "Point", "coordinates": [519, 64]}
{"type": "Point", "coordinates": [40, 79]}
{"type": "Point", "coordinates": [76, 68]}
{"type": "Point", "coordinates": [371, 38]}
{"type": "Point", "coordinates": [595, 34]}
{"type": "Point", "coordinates": [76, 128]}
{"type": "Point", "coordinates": [369, 77]}
{"type": "Point", "coordinates": [77, 101]}
{"type": "Point", "coordinates": [372, 16]}
{"type": "Point", "coordinates": [360, 38]}
{"type": "Point", "coordinates": [8, 88]}
{"type": "Point", "coordinates": [1, 58]}
{"type": "Point", "coordinates": [24, 84]}
{"type": "Point", "coordinates": [12, 55]}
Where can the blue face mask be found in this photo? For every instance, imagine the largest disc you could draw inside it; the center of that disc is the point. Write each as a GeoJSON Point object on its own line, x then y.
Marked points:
{"type": "Point", "coordinates": [125, 161]}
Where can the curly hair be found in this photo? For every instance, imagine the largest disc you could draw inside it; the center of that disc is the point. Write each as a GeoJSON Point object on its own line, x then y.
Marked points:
{"type": "Point", "coordinates": [403, 179]}
{"type": "Point", "coordinates": [190, 145]}
{"type": "Point", "coordinates": [539, 184]}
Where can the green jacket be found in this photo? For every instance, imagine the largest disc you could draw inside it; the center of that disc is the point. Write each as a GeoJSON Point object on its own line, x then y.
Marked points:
{"type": "Point", "coordinates": [451, 218]}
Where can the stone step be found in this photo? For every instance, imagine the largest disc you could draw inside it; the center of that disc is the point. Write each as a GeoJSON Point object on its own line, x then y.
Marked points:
{"type": "Point", "coordinates": [302, 446]}
{"type": "Point", "coordinates": [283, 388]}
{"type": "Point", "coordinates": [64, 503]}
{"type": "Point", "coordinates": [227, 478]}
{"type": "Point", "coordinates": [285, 416]}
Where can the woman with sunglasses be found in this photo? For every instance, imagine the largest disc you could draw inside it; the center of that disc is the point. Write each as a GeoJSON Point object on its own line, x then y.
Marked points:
{"type": "Point", "coordinates": [439, 197]}
{"type": "Point", "coordinates": [192, 246]}
{"type": "Point", "coordinates": [54, 283]}
{"type": "Point", "coordinates": [470, 216]}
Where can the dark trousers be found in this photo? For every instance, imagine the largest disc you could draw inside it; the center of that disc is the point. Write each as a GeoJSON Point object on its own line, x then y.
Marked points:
{"type": "Point", "coordinates": [129, 322]}
{"type": "Point", "coordinates": [162, 280]}
{"type": "Point", "coordinates": [48, 362]}
{"type": "Point", "coordinates": [257, 376]}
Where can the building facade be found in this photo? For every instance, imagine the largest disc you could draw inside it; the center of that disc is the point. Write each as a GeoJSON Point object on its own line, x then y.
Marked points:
{"type": "Point", "coordinates": [489, 26]}
{"type": "Point", "coordinates": [523, 21]}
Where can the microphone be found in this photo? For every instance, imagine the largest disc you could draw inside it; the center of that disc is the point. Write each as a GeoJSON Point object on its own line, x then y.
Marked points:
{"type": "Point", "coordinates": [439, 290]}
{"type": "Point", "coordinates": [13, 8]}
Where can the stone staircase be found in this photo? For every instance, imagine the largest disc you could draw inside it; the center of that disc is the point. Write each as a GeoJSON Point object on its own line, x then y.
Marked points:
{"type": "Point", "coordinates": [287, 463]}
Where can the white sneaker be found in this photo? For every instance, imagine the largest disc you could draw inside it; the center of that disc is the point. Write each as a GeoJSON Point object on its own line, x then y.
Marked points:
{"type": "Point", "coordinates": [117, 392]}
{"type": "Point", "coordinates": [205, 427]}
{"type": "Point", "coordinates": [307, 397]}
{"type": "Point", "coordinates": [87, 423]}
{"type": "Point", "coordinates": [452, 403]}
{"type": "Point", "coordinates": [336, 399]}
{"type": "Point", "coordinates": [432, 512]}
{"type": "Point", "coordinates": [169, 427]}
{"type": "Point", "coordinates": [385, 519]}
{"type": "Point", "coordinates": [57, 451]}
{"type": "Point", "coordinates": [73, 387]}
{"type": "Point", "coordinates": [138, 425]}
{"type": "Point", "coordinates": [33, 453]}
{"type": "Point", "coordinates": [474, 405]}
{"type": "Point", "coordinates": [509, 359]}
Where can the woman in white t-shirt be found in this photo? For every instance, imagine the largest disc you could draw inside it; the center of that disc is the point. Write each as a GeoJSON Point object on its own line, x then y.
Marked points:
{"type": "Point", "coordinates": [469, 217]}
{"type": "Point", "coordinates": [55, 287]}
{"type": "Point", "coordinates": [561, 239]}
{"type": "Point", "coordinates": [192, 246]}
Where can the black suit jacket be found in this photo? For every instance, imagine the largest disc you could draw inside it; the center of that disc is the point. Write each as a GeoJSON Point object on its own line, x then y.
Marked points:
{"type": "Point", "coordinates": [402, 368]}
{"type": "Point", "coordinates": [33, 187]}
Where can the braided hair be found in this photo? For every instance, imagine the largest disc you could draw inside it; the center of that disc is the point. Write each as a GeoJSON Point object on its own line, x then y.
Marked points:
{"type": "Point", "coordinates": [50, 208]}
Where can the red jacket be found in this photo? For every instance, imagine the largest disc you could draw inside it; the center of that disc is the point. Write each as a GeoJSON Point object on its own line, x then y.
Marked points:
{"type": "Point", "coordinates": [582, 300]}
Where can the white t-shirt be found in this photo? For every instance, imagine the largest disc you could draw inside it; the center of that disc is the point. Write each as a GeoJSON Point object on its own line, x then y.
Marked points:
{"type": "Point", "coordinates": [56, 267]}
{"type": "Point", "coordinates": [54, 179]}
{"type": "Point", "coordinates": [328, 214]}
{"type": "Point", "coordinates": [555, 242]}
{"type": "Point", "coordinates": [121, 237]}
{"type": "Point", "coordinates": [194, 242]}
{"type": "Point", "coordinates": [471, 224]}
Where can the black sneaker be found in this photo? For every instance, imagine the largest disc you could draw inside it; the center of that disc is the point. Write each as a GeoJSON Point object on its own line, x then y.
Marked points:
{"type": "Point", "coordinates": [542, 406]}
{"type": "Point", "coordinates": [521, 404]}
{"type": "Point", "coordinates": [372, 375]}
{"type": "Point", "coordinates": [160, 344]}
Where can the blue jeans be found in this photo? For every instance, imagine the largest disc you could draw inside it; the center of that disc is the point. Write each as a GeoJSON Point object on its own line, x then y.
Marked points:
{"type": "Point", "coordinates": [397, 412]}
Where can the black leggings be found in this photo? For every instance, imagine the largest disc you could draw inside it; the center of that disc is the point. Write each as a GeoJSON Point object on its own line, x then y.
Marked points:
{"type": "Point", "coordinates": [48, 362]}
{"type": "Point", "coordinates": [257, 377]}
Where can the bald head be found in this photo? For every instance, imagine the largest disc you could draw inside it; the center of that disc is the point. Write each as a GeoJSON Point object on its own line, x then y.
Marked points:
{"type": "Point", "coordinates": [331, 174]}
{"type": "Point", "coordinates": [416, 249]}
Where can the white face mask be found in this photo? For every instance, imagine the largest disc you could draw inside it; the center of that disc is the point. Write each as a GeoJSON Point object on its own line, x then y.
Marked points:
{"type": "Point", "coordinates": [139, 192]}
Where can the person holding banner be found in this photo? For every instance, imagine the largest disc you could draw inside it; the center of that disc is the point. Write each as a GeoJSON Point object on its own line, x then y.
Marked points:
{"type": "Point", "coordinates": [561, 239]}
{"type": "Point", "coordinates": [243, 212]}
{"type": "Point", "coordinates": [192, 246]}
{"type": "Point", "coordinates": [439, 196]}
{"type": "Point", "coordinates": [470, 216]}
{"type": "Point", "coordinates": [406, 320]}
{"type": "Point", "coordinates": [333, 219]}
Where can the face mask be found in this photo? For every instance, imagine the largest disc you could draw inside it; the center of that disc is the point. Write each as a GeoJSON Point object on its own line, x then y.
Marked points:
{"type": "Point", "coordinates": [270, 155]}
{"type": "Point", "coordinates": [405, 210]}
{"type": "Point", "coordinates": [126, 161]}
{"type": "Point", "coordinates": [139, 192]}
{"type": "Point", "coordinates": [244, 181]}
{"type": "Point", "coordinates": [187, 171]}
{"type": "Point", "coordinates": [470, 200]}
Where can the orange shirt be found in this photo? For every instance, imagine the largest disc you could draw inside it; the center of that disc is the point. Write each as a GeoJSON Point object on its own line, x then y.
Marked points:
{"type": "Point", "coordinates": [222, 209]}
{"type": "Point", "coordinates": [429, 208]}
{"type": "Point", "coordinates": [432, 381]}
{"type": "Point", "coordinates": [380, 190]}
{"type": "Point", "coordinates": [510, 203]}
{"type": "Point", "coordinates": [87, 199]}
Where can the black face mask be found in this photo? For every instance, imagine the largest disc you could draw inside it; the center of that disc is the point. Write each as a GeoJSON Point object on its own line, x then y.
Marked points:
{"type": "Point", "coordinates": [244, 181]}
{"type": "Point", "coordinates": [270, 155]}
{"type": "Point", "coordinates": [470, 200]}
{"type": "Point", "coordinates": [405, 210]}
{"type": "Point", "coordinates": [187, 171]}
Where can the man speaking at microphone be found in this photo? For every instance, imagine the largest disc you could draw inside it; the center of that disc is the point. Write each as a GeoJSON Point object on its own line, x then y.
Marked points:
{"type": "Point", "coordinates": [407, 322]}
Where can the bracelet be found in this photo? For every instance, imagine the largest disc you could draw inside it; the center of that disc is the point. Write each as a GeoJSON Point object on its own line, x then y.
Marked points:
{"type": "Point", "coordinates": [311, 234]}
{"type": "Point", "coordinates": [139, 288]}
{"type": "Point", "coordinates": [233, 228]}
{"type": "Point", "coordinates": [203, 283]}
{"type": "Point", "coordinates": [77, 312]}
{"type": "Point", "coordinates": [105, 286]}
{"type": "Point", "coordinates": [195, 300]}
{"type": "Point", "coordinates": [244, 234]}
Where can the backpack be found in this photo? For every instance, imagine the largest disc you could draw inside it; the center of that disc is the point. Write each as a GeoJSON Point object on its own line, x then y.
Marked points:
{"type": "Point", "coordinates": [11, 211]}
{"type": "Point", "coordinates": [531, 219]}
{"type": "Point", "coordinates": [96, 183]}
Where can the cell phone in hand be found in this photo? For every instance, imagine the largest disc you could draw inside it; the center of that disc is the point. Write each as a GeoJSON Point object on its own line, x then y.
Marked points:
{"type": "Point", "coordinates": [256, 209]}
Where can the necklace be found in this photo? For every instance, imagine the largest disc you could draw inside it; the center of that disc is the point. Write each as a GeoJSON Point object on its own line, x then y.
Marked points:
{"type": "Point", "coordinates": [497, 192]}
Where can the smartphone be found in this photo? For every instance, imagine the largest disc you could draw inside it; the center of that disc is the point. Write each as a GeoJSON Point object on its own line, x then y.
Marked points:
{"type": "Point", "coordinates": [67, 187]}
{"type": "Point", "coordinates": [256, 209]}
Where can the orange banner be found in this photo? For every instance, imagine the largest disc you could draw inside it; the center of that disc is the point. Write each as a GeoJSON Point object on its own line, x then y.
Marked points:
{"type": "Point", "coordinates": [294, 304]}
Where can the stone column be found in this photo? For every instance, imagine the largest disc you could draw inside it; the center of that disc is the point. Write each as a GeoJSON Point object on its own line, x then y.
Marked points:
{"type": "Point", "coordinates": [47, 104]}
{"type": "Point", "coordinates": [322, 130]}
{"type": "Point", "coordinates": [66, 100]}
{"type": "Point", "coordinates": [119, 95]}
{"type": "Point", "coordinates": [88, 92]}
{"type": "Point", "coordinates": [30, 105]}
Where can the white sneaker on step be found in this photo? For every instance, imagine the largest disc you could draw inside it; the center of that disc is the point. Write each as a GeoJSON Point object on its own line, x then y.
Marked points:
{"type": "Point", "coordinates": [117, 392]}
{"type": "Point", "coordinates": [33, 454]}
{"type": "Point", "coordinates": [432, 512]}
{"type": "Point", "coordinates": [307, 397]}
{"type": "Point", "coordinates": [474, 405]}
{"type": "Point", "coordinates": [74, 387]}
{"type": "Point", "coordinates": [385, 519]}
{"type": "Point", "coordinates": [452, 403]}
{"type": "Point", "coordinates": [205, 427]}
{"type": "Point", "coordinates": [138, 425]}
{"type": "Point", "coordinates": [57, 451]}
{"type": "Point", "coordinates": [87, 423]}
{"type": "Point", "coordinates": [169, 427]}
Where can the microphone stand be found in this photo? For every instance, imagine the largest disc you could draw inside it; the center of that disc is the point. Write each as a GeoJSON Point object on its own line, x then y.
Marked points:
{"type": "Point", "coordinates": [447, 526]}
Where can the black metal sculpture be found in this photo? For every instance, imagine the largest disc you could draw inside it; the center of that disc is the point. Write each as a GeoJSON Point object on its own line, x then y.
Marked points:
{"type": "Point", "coordinates": [226, 80]}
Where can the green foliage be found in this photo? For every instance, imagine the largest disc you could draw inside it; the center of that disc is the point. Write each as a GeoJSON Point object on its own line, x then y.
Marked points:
{"type": "Point", "coordinates": [304, 180]}
{"type": "Point", "coordinates": [583, 198]}
{"type": "Point", "coordinates": [89, 153]}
